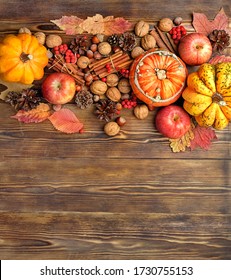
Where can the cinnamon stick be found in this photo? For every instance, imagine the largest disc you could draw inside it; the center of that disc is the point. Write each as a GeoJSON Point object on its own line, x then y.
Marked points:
{"type": "Point", "coordinates": [159, 41]}
{"type": "Point", "coordinates": [164, 39]}
{"type": "Point", "coordinates": [113, 61]}
{"type": "Point", "coordinates": [105, 60]}
{"type": "Point", "coordinates": [125, 65]}
{"type": "Point", "coordinates": [171, 42]}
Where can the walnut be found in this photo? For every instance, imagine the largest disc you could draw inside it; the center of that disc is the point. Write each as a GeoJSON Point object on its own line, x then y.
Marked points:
{"type": "Point", "coordinates": [53, 41]}
{"type": "Point", "coordinates": [124, 86]}
{"type": "Point", "coordinates": [148, 42]}
{"type": "Point", "coordinates": [104, 48]}
{"type": "Point", "coordinates": [141, 28]}
{"type": "Point", "coordinates": [41, 37]}
{"type": "Point", "coordinates": [141, 111]}
{"type": "Point", "coordinates": [112, 80]}
{"type": "Point", "coordinates": [24, 30]}
{"type": "Point", "coordinates": [113, 94]}
{"type": "Point", "coordinates": [111, 128]}
{"type": "Point", "coordinates": [165, 24]}
{"type": "Point", "coordinates": [136, 52]}
{"type": "Point", "coordinates": [83, 62]}
{"type": "Point", "coordinates": [98, 87]}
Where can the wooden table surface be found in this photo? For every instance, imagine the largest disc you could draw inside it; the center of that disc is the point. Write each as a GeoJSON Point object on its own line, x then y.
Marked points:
{"type": "Point", "coordinates": [89, 196]}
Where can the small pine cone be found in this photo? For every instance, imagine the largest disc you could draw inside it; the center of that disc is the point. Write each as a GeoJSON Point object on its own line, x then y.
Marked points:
{"type": "Point", "coordinates": [127, 41]}
{"type": "Point", "coordinates": [105, 109]}
{"type": "Point", "coordinates": [79, 45]}
{"type": "Point", "coordinates": [25, 100]}
{"type": "Point", "coordinates": [219, 40]}
{"type": "Point", "coordinates": [84, 99]}
{"type": "Point", "coordinates": [113, 39]}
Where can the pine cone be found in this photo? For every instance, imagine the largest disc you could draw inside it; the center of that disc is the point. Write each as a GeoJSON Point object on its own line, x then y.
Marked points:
{"type": "Point", "coordinates": [113, 39]}
{"type": "Point", "coordinates": [79, 45]}
{"type": "Point", "coordinates": [127, 41]}
{"type": "Point", "coordinates": [105, 109]}
{"type": "Point", "coordinates": [84, 99]}
{"type": "Point", "coordinates": [219, 40]}
{"type": "Point", "coordinates": [25, 100]}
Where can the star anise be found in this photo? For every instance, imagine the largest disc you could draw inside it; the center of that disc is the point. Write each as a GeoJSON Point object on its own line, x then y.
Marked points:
{"type": "Point", "coordinates": [219, 40]}
{"type": "Point", "coordinates": [26, 100]}
{"type": "Point", "coordinates": [105, 109]}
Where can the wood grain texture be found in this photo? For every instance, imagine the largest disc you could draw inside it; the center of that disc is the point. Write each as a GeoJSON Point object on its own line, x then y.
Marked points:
{"type": "Point", "coordinates": [90, 196]}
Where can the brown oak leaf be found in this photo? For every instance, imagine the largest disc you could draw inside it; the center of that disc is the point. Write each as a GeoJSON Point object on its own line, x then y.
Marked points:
{"type": "Point", "coordinates": [69, 24]}
{"type": "Point", "coordinates": [66, 121]}
{"type": "Point", "coordinates": [37, 115]}
{"type": "Point", "coordinates": [180, 144]}
{"type": "Point", "coordinates": [203, 25]}
{"type": "Point", "coordinates": [220, 58]}
{"type": "Point", "coordinates": [202, 137]}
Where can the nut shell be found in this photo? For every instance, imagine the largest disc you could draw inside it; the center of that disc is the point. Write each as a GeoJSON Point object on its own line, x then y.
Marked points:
{"type": "Point", "coordinates": [104, 48]}
{"type": "Point", "coordinates": [83, 62]}
{"type": "Point", "coordinates": [98, 87]}
{"type": "Point", "coordinates": [124, 86]}
{"type": "Point", "coordinates": [165, 24]}
{"type": "Point", "coordinates": [136, 52]}
{"type": "Point", "coordinates": [141, 111]}
{"type": "Point", "coordinates": [148, 42]}
{"type": "Point", "coordinates": [41, 37]}
{"type": "Point", "coordinates": [113, 94]}
{"type": "Point", "coordinates": [53, 41]}
{"type": "Point", "coordinates": [141, 28]}
{"type": "Point", "coordinates": [112, 80]}
{"type": "Point", "coordinates": [111, 128]}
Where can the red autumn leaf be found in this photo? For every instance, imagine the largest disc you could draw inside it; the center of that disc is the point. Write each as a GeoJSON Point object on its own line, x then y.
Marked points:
{"type": "Point", "coordinates": [37, 115]}
{"type": "Point", "coordinates": [70, 24]}
{"type": "Point", "coordinates": [96, 24]}
{"type": "Point", "coordinates": [205, 26]}
{"type": "Point", "coordinates": [220, 58]}
{"type": "Point", "coordinates": [66, 121]}
{"type": "Point", "coordinates": [202, 137]}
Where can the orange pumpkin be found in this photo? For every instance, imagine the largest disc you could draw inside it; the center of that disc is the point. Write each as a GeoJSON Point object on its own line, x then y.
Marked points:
{"type": "Point", "coordinates": [22, 58]}
{"type": "Point", "coordinates": [158, 77]}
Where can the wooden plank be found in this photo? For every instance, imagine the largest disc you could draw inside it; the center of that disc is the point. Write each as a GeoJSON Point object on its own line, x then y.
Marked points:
{"type": "Point", "coordinates": [114, 236]}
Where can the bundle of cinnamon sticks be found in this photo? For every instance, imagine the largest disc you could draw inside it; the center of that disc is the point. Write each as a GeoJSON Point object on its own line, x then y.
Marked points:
{"type": "Point", "coordinates": [115, 62]}
{"type": "Point", "coordinates": [163, 40]}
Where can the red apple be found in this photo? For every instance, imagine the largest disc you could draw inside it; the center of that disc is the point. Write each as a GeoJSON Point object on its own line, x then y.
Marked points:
{"type": "Point", "coordinates": [195, 49]}
{"type": "Point", "coordinates": [172, 121]}
{"type": "Point", "coordinates": [58, 88]}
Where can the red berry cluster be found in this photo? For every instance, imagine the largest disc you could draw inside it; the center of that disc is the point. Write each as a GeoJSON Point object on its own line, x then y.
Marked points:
{"type": "Point", "coordinates": [129, 103]}
{"type": "Point", "coordinates": [69, 56]}
{"type": "Point", "coordinates": [108, 67]}
{"type": "Point", "coordinates": [124, 72]}
{"type": "Point", "coordinates": [177, 32]}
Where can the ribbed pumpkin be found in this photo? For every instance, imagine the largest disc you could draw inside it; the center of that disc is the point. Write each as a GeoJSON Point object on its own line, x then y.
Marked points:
{"type": "Point", "coordinates": [22, 58]}
{"type": "Point", "coordinates": [208, 95]}
{"type": "Point", "coordinates": [158, 77]}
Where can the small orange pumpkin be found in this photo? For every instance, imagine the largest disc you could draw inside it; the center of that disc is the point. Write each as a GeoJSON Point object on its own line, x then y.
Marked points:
{"type": "Point", "coordinates": [158, 77]}
{"type": "Point", "coordinates": [22, 58]}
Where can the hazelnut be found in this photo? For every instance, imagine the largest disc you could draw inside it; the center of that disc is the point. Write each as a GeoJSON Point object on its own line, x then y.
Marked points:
{"type": "Point", "coordinates": [98, 87]}
{"type": "Point", "coordinates": [121, 121]}
{"type": "Point", "coordinates": [111, 128]}
{"type": "Point", "coordinates": [124, 86]}
{"type": "Point", "coordinates": [165, 24]}
{"type": "Point", "coordinates": [83, 62]}
{"type": "Point", "coordinates": [141, 111]}
{"type": "Point", "coordinates": [95, 39]}
{"type": "Point", "coordinates": [112, 80]}
{"type": "Point", "coordinates": [136, 52]}
{"type": "Point", "coordinates": [104, 48]}
{"type": "Point", "coordinates": [24, 30]}
{"type": "Point", "coordinates": [113, 94]}
{"type": "Point", "coordinates": [148, 42]}
{"type": "Point", "coordinates": [141, 28]}
{"type": "Point", "coordinates": [177, 20]}
{"type": "Point", "coordinates": [53, 41]}
{"type": "Point", "coordinates": [41, 37]}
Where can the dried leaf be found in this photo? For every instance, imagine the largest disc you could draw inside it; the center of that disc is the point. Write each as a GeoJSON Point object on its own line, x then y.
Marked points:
{"type": "Point", "coordinates": [37, 115]}
{"type": "Point", "coordinates": [6, 87]}
{"type": "Point", "coordinates": [202, 137]}
{"type": "Point", "coordinates": [180, 144]}
{"type": "Point", "coordinates": [97, 24]}
{"type": "Point", "coordinates": [220, 58]}
{"type": "Point", "coordinates": [205, 26]}
{"type": "Point", "coordinates": [66, 121]}
{"type": "Point", "coordinates": [70, 24]}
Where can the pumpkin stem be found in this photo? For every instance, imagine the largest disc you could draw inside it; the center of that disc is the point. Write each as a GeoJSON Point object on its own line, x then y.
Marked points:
{"type": "Point", "coordinates": [161, 74]}
{"type": "Point", "coordinates": [217, 98]}
{"type": "Point", "coordinates": [25, 57]}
